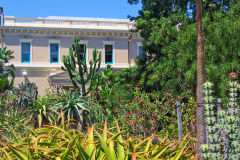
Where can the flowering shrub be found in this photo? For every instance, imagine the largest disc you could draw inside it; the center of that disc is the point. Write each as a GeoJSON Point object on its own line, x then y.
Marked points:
{"type": "Point", "coordinates": [233, 75]}
{"type": "Point", "coordinates": [137, 111]}
{"type": "Point", "coordinates": [146, 114]}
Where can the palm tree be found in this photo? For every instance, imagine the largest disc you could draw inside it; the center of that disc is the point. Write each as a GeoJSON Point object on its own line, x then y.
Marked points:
{"type": "Point", "coordinates": [201, 78]}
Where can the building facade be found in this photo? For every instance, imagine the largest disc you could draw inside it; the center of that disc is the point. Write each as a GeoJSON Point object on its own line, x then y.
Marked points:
{"type": "Point", "coordinates": [40, 43]}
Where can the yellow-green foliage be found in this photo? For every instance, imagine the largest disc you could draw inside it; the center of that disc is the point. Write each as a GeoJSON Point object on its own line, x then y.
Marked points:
{"type": "Point", "coordinates": [99, 143]}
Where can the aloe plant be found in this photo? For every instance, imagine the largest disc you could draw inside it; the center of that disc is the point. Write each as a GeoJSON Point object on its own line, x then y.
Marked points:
{"type": "Point", "coordinates": [13, 122]}
{"type": "Point", "coordinates": [100, 143]}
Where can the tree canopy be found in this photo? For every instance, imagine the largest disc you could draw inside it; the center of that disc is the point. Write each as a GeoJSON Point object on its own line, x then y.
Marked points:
{"type": "Point", "coordinates": [171, 62]}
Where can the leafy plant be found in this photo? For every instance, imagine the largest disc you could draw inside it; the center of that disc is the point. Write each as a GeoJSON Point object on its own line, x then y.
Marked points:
{"type": "Point", "coordinates": [43, 110]}
{"type": "Point", "coordinates": [6, 71]}
{"type": "Point", "coordinates": [96, 115]}
{"type": "Point", "coordinates": [103, 85]}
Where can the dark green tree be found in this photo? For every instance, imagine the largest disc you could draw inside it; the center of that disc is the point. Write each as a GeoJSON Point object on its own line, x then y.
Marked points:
{"type": "Point", "coordinates": [76, 66]}
{"type": "Point", "coordinates": [170, 60]}
{"type": "Point", "coordinates": [153, 10]}
{"type": "Point", "coordinates": [175, 71]}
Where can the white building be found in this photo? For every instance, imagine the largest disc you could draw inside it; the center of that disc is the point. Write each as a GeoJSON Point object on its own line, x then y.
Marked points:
{"type": "Point", "coordinates": [40, 43]}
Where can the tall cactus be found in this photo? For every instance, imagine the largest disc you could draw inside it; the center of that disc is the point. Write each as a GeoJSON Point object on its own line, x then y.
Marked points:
{"type": "Point", "coordinates": [212, 149]}
{"type": "Point", "coordinates": [222, 126]}
{"type": "Point", "coordinates": [232, 118]}
{"type": "Point", "coordinates": [77, 68]}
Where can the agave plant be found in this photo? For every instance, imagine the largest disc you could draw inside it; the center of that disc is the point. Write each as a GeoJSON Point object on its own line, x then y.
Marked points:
{"type": "Point", "coordinates": [27, 92]}
{"type": "Point", "coordinates": [73, 106]}
{"type": "Point", "coordinates": [100, 143]}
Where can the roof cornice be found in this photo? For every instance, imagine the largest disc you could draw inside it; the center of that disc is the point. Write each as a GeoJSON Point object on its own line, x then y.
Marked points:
{"type": "Point", "coordinates": [70, 23]}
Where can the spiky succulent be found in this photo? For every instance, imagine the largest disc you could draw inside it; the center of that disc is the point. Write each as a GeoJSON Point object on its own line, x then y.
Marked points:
{"type": "Point", "coordinates": [222, 126]}
{"type": "Point", "coordinates": [27, 92]}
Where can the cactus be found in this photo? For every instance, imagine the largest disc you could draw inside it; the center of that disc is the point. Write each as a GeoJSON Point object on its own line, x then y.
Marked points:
{"type": "Point", "coordinates": [27, 92]}
{"type": "Point", "coordinates": [77, 68]}
{"type": "Point", "coordinates": [222, 126]}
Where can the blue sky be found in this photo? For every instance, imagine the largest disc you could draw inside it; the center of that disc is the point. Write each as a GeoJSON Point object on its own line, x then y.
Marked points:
{"type": "Point", "coordinates": [71, 8]}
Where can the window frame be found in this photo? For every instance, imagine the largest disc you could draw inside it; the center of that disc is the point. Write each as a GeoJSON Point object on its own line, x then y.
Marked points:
{"type": "Point", "coordinates": [139, 44]}
{"type": "Point", "coordinates": [112, 43]}
{"type": "Point", "coordinates": [85, 42]}
{"type": "Point", "coordinates": [30, 54]}
{"type": "Point", "coordinates": [54, 41]}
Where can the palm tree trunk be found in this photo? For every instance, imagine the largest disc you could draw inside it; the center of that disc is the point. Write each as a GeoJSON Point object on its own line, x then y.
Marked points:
{"type": "Point", "coordinates": [201, 79]}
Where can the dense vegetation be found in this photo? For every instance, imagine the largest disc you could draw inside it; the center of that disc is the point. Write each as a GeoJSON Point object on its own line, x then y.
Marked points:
{"type": "Point", "coordinates": [33, 127]}
{"type": "Point", "coordinates": [138, 104]}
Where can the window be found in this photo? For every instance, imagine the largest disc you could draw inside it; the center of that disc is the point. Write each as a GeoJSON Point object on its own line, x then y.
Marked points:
{"type": "Point", "coordinates": [25, 52]}
{"type": "Point", "coordinates": [54, 52]}
{"type": "Point", "coordinates": [140, 49]}
{"type": "Point", "coordinates": [109, 54]}
{"type": "Point", "coordinates": [83, 51]}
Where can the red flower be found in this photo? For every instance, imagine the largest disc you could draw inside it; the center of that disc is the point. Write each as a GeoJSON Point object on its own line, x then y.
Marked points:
{"type": "Point", "coordinates": [137, 99]}
{"type": "Point", "coordinates": [138, 84]}
{"type": "Point", "coordinates": [129, 101]}
{"type": "Point", "coordinates": [131, 122]}
{"type": "Point", "coordinates": [233, 74]}
{"type": "Point", "coordinates": [168, 95]}
{"type": "Point", "coordinates": [149, 94]}
{"type": "Point", "coordinates": [188, 92]}
{"type": "Point", "coordinates": [141, 102]}
{"type": "Point", "coordinates": [119, 98]}
{"type": "Point", "coordinates": [168, 102]}
{"type": "Point", "coordinates": [128, 114]}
